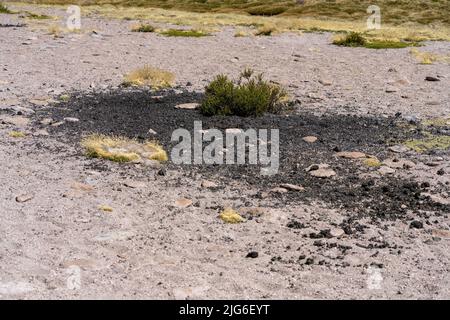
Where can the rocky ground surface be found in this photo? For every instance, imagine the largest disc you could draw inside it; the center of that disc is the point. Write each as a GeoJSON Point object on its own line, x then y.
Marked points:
{"type": "Point", "coordinates": [75, 227]}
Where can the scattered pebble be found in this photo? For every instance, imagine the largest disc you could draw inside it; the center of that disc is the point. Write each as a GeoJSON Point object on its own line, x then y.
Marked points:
{"type": "Point", "coordinates": [416, 224]}
{"type": "Point", "coordinates": [310, 139]}
{"type": "Point", "coordinates": [24, 198]}
{"type": "Point", "coordinates": [252, 254]}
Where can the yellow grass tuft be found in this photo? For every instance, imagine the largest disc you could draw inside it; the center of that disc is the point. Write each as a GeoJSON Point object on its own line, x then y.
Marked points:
{"type": "Point", "coordinates": [17, 134]}
{"type": "Point", "coordinates": [105, 208]}
{"type": "Point", "coordinates": [121, 149]}
{"type": "Point", "coordinates": [149, 76]}
{"type": "Point", "coordinates": [428, 57]}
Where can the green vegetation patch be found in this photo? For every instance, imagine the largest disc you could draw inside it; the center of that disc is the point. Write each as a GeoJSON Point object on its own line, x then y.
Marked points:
{"type": "Point", "coordinates": [251, 95]}
{"type": "Point", "coordinates": [184, 33]}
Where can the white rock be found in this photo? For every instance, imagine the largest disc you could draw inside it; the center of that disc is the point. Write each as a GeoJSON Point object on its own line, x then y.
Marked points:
{"type": "Point", "coordinates": [188, 106]}
{"type": "Point", "coordinates": [386, 170]}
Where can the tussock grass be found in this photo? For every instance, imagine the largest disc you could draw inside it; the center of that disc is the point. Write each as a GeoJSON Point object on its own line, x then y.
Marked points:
{"type": "Point", "coordinates": [356, 39]}
{"type": "Point", "coordinates": [17, 134]}
{"type": "Point", "coordinates": [149, 76]}
{"type": "Point", "coordinates": [251, 95]}
{"type": "Point", "coordinates": [4, 9]}
{"type": "Point", "coordinates": [266, 30]}
{"type": "Point", "coordinates": [31, 15]}
{"type": "Point", "coordinates": [424, 57]}
{"type": "Point", "coordinates": [184, 33]}
{"type": "Point", "coordinates": [143, 28]}
{"type": "Point", "coordinates": [121, 149]}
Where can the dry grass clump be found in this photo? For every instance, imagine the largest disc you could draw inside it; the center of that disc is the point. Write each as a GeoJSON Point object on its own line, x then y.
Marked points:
{"type": "Point", "coordinates": [184, 33]}
{"type": "Point", "coordinates": [424, 57]}
{"type": "Point", "coordinates": [266, 30]}
{"type": "Point", "coordinates": [149, 76]}
{"type": "Point", "coordinates": [143, 28]}
{"type": "Point", "coordinates": [121, 149]}
{"type": "Point", "coordinates": [17, 134]}
{"type": "Point", "coordinates": [4, 9]}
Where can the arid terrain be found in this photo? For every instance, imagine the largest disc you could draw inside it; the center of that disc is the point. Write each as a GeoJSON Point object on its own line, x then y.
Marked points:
{"type": "Point", "coordinates": [374, 225]}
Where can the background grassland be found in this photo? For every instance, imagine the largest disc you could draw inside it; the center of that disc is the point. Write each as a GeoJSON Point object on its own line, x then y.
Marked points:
{"type": "Point", "coordinates": [410, 20]}
{"type": "Point", "coordinates": [393, 11]}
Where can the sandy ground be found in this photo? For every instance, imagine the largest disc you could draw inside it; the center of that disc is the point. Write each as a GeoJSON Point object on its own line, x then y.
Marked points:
{"type": "Point", "coordinates": [56, 243]}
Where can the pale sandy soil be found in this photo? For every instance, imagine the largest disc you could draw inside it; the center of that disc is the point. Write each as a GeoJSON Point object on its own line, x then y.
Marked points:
{"type": "Point", "coordinates": [147, 247]}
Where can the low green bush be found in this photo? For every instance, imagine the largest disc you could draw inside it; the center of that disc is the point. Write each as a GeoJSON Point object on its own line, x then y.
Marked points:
{"type": "Point", "coordinates": [251, 95]}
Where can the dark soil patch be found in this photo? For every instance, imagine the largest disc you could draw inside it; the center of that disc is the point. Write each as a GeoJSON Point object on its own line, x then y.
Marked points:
{"type": "Point", "coordinates": [133, 113]}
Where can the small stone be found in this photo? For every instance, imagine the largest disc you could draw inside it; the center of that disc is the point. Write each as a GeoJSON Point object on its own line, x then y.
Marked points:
{"type": "Point", "coordinates": [252, 254]}
{"type": "Point", "coordinates": [46, 121]}
{"type": "Point", "coordinates": [278, 190]}
{"type": "Point", "coordinates": [351, 154]}
{"type": "Point", "coordinates": [187, 106]}
{"type": "Point", "coordinates": [391, 89]}
{"type": "Point", "coordinates": [183, 203]}
{"type": "Point", "coordinates": [323, 173]}
{"type": "Point", "coordinates": [326, 82]}
{"type": "Point", "coordinates": [71, 119]}
{"type": "Point", "coordinates": [440, 172]}
{"type": "Point", "coordinates": [416, 224]}
{"type": "Point", "coordinates": [398, 149]}
{"type": "Point", "coordinates": [208, 184]}
{"type": "Point", "coordinates": [433, 79]}
{"type": "Point", "coordinates": [310, 139]}
{"type": "Point", "coordinates": [386, 170]}
{"type": "Point", "coordinates": [292, 187]}
{"type": "Point", "coordinates": [24, 198]}
{"type": "Point", "coordinates": [312, 167]}
{"type": "Point", "coordinates": [151, 131]}
{"type": "Point", "coordinates": [162, 172]}
{"type": "Point", "coordinates": [337, 232]}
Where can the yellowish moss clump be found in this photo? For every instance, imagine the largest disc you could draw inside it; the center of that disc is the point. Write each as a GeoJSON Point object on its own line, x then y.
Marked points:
{"type": "Point", "coordinates": [430, 142]}
{"type": "Point", "coordinates": [372, 162]}
{"type": "Point", "coordinates": [17, 134]}
{"type": "Point", "coordinates": [149, 76]}
{"type": "Point", "coordinates": [230, 216]}
{"type": "Point", "coordinates": [120, 149]}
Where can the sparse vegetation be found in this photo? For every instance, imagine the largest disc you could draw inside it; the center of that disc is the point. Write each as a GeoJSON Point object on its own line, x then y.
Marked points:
{"type": "Point", "coordinates": [120, 149]}
{"type": "Point", "coordinates": [251, 95]}
{"type": "Point", "coordinates": [143, 28]}
{"type": "Point", "coordinates": [429, 142]}
{"type": "Point", "coordinates": [424, 57]}
{"type": "Point", "coordinates": [149, 76]}
{"type": "Point", "coordinates": [265, 30]}
{"type": "Point", "coordinates": [355, 39]}
{"type": "Point", "coordinates": [17, 134]}
{"type": "Point", "coordinates": [55, 30]}
{"type": "Point", "coordinates": [183, 33]}
{"type": "Point", "coordinates": [32, 15]}
{"type": "Point", "coordinates": [4, 9]}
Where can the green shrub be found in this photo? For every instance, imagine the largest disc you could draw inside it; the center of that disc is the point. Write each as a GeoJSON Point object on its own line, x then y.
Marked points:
{"type": "Point", "coordinates": [251, 95]}
{"type": "Point", "coordinates": [353, 39]}
{"type": "Point", "coordinates": [143, 28]}
{"type": "Point", "coordinates": [4, 9]}
{"type": "Point", "coordinates": [184, 33]}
